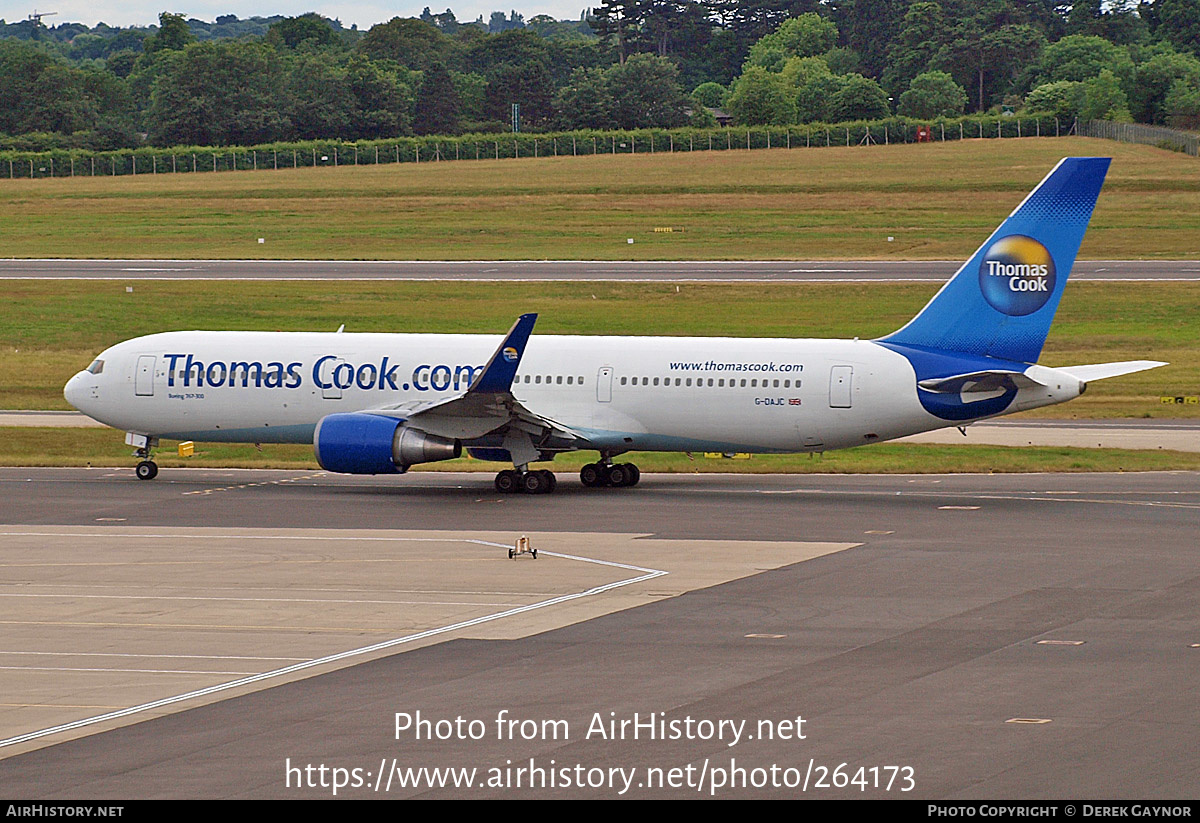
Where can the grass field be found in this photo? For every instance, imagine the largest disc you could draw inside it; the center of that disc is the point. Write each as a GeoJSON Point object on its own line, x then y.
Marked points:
{"type": "Point", "coordinates": [98, 447]}
{"type": "Point", "coordinates": [52, 329]}
{"type": "Point", "coordinates": [937, 201]}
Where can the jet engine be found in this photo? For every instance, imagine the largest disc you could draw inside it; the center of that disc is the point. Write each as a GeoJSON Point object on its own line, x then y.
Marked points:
{"type": "Point", "coordinates": [361, 443]}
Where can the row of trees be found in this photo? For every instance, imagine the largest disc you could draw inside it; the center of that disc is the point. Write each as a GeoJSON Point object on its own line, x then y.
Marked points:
{"type": "Point", "coordinates": [630, 64]}
{"type": "Point", "coordinates": [799, 74]}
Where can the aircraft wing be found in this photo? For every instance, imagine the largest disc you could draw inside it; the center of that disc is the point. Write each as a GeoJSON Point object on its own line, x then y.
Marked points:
{"type": "Point", "coordinates": [488, 405]}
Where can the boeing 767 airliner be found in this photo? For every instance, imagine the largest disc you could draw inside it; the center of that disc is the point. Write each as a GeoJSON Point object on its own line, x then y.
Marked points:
{"type": "Point", "coordinates": [381, 403]}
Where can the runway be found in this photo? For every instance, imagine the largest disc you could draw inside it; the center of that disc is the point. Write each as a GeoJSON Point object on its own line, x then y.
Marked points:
{"type": "Point", "coordinates": [778, 271]}
{"type": "Point", "coordinates": [1027, 636]}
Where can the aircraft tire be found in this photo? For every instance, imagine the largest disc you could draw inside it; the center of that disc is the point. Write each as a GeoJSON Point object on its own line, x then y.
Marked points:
{"type": "Point", "coordinates": [592, 475]}
{"type": "Point", "coordinates": [619, 476]}
{"type": "Point", "coordinates": [146, 470]}
{"type": "Point", "coordinates": [635, 474]}
{"type": "Point", "coordinates": [507, 482]}
{"type": "Point", "coordinates": [535, 483]}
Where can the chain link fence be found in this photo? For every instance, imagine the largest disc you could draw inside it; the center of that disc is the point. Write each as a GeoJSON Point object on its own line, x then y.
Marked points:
{"type": "Point", "coordinates": [1159, 136]}
{"type": "Point", "coordinates": [330, 153]}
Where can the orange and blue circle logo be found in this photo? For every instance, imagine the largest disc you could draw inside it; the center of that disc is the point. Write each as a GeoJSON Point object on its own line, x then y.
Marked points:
{"type": "Point", "coordinates": [510, 354]}
{"type": "Point", "coordinates": [1017, 275]}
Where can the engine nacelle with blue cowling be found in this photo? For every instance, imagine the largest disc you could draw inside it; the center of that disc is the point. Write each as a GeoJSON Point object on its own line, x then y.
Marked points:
{"type": "Point", "coordinates": [360, 443]}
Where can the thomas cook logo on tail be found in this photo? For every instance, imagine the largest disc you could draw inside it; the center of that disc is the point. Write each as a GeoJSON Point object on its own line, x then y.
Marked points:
{"type": "Point", "coordinates": [510, 354]}
{"type": "Point", "coordinates": [1017, 275]}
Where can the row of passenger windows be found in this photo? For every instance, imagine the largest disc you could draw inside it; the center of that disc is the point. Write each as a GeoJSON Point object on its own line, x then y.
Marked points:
{"type": "Point", "coordinates": [548, 379]}
{"type": "Point", "coordinates": [719, 382]}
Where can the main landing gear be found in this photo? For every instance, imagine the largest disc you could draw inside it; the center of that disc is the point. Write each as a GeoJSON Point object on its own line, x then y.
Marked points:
{"type": "Point", "coordinates": [614, 475]}
{"type": "Point", "coordinates": [511, 481]}
{"type": "Point", "coordinates": [593, 475]}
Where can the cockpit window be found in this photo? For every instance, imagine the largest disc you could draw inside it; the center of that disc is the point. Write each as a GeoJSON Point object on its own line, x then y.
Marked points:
{"type": "Point", "coordinates": [97, 367]}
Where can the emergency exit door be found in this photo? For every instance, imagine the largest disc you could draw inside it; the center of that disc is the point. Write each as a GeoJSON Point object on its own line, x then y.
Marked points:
{"type": "Point", "coordinates": [841, 387]}
{"type": "Point", "coordinates": [604, 385]}
{"type": "Point", "coordinates": [143, 379]}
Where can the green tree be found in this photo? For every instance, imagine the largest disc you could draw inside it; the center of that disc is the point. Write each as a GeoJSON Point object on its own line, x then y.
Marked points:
{"type": "Point", "coordinates": [292, 31]}
{"type": "Point", "coordinates": [585, 102]}
{"type": "Point", "coordinates": [932, 94]}
{"type": "Point", "coordinates": [219, 93]}
{"type": "Point", "coordinates": [381, 100]}
{"type": "Point", "coordinates": [1182, 105]}
{"type": "Point", "coordinates": [710, 94]}
{"type": "Point", "coordinates": [1179, 23]}
{"type": "Point", "coordinates": [410, 43]}
{"type": "Point", "coordinates": [319, 100]}
{"type": "Point", "coordinates": [173, 34]}
{"type": "Point", "coordinates": [645, 93]}
{"type": "Point", "coordinates": [869, 26]}
{"type": "Point", "coordinates": [858, 98]}
{"type": "Point", "coordinates": [436, 108]}
{"type": "Point", "coordinates": [41, 93]}
{"type": "Point", "coordinates": [1154, 80]}
{"type": "Point", "coordinates": [528, 84]}
{"type": "Point", "coordinates": [805, 36]}
{"type": "Point", "coordinates": [759, 98]}
{"type": "Point", "coordinates": [810, 84]}
{"type": "Point", "coordinates": [923, 32]}
{"type": "Point", "coordinates": [1082, 57]}
{"type": "Point", "coordinates": [986, 59]}
{"type": "Point", "coordinates": [121, 63]}
{"type": "Point", "coordinates": [471, 88]}
{"type": "Point", "coordinates": [1062, 98]}
{"type": "Point", "coordinates": [1104, 99]}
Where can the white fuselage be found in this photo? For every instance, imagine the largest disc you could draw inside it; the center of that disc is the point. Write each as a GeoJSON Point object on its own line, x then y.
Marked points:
{"type": "Point", "coordinates": [619, 393]}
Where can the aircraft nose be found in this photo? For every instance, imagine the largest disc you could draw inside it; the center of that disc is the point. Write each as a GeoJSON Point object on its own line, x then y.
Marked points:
{"type": "Point", "coordinates": [74, 391]}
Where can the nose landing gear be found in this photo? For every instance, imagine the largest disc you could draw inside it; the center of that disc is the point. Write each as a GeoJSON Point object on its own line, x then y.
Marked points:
{"type": "Point", "coordinates": [146, 469]}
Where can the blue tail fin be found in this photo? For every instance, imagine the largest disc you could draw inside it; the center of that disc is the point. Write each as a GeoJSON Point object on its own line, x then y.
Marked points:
{"type": "Point", "coordinates": [1001, 302]}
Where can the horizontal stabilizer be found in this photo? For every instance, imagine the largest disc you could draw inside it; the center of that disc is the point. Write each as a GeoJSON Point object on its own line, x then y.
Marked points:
{"type": "Point", "coordinates": [979, 381]}
{"type": "Point", "coordinates": [1100, 371]}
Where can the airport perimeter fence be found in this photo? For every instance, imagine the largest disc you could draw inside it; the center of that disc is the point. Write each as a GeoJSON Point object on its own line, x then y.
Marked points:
{"type": "Point", "coordinates": [330, 153]}
{"type": "Point", "coordinates": [1159, 136]}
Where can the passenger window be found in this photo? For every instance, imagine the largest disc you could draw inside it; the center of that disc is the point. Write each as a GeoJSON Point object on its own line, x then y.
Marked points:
{"type": "Point", "coordinates": [710, 382]}
{"type": "Point", "coordinates": [559, 380]}
{"type": "Point", "coordinates": [689, 381]}
{"type": "Point", "coordinates": [537, 379]}
{"type": "Point", "coordinates": [570, 379]}
{"type": "Point", "coordinates": [656, 381]}
{"type": "Point", "coordinates": [622, 381]}
{"type": "Point", "coordinates": [743, 382]}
